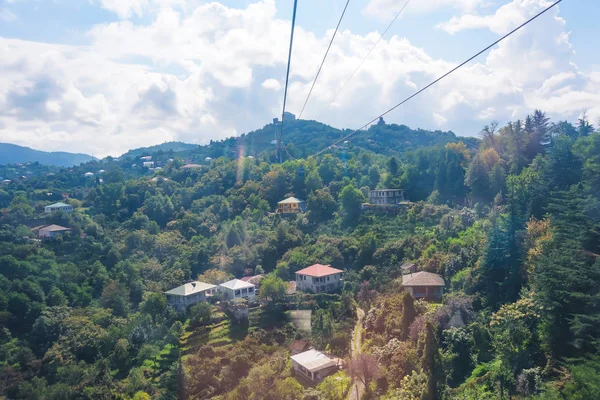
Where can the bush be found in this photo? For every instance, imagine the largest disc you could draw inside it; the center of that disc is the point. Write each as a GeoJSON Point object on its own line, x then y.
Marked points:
{"type": "Point", "coordinates": [200, 314]}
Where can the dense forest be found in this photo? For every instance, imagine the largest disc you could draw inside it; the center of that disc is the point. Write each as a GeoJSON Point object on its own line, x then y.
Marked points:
{"type": "Point", "coordinates": [511, 221]}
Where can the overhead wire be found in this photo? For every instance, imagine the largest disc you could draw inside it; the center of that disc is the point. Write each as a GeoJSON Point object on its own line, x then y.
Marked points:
{"type": "Point", "coordinates": [324, 58]}
{"type": "Point", "coordinates": [369, 53]}
{"type": "Point", "coordinates": [287, 77]}
{"type": "Point", "coordinates": [439, 79]}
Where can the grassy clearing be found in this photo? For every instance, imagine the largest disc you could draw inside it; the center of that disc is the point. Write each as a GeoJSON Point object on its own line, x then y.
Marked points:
{"type": "Point", "coordinates": [225, 332]}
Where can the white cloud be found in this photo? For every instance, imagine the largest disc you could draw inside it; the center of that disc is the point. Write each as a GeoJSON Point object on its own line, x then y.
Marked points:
{"type": "Point", "coordinates": [210, 71]}
{"type": "Point", "coordinates": [6, 15]}
{"type": "Point", "coordinates": [272, 84]}
{"type": "Point", "coordinates": [439, 119]}
{"type": "Point", "coordinates": [386, 9]}
{"type": "Point", "coordinates": [504, 19]}
{"type": "Point", "coordinates": [487, 114]}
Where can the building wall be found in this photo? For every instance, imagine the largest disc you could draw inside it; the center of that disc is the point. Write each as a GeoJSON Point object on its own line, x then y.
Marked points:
{"type": "Point", "coordinates": [246, 293]}
{"type": "Point", "coordinates": [313, 376]}
{"type": "Point", "coordinates": [386, 197]}
{"type": "Point", "coordinates": [182, 302]}
{"type": "Point", "coordinates": [57, 209]}
{"type": "Point", "coordinates": [425, 292]}
{"type": "Point", "coordinates": [48, 234]}
{"type": "Point", "coordinates": [323, 284]}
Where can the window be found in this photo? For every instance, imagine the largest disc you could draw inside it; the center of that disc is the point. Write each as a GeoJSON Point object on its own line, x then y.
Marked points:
{"type": "Point", "coordinates": [250, 290]}
{"type": "Point", "coordinates": [237, 292]}
{"type": "Point", "coordinates": [244, 291]}
{"type": "Point", "coordinates": [327, 278]}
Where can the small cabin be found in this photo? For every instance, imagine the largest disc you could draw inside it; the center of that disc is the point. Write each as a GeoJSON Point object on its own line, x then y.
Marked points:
{"type": "Point", "coordinates": [424, 285]}
{"type": "Point", "coordinates": [291, 205]}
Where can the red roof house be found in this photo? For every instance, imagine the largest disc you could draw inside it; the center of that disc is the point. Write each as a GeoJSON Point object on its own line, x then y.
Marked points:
{"type": "Point", "coordinates": [319, 278]}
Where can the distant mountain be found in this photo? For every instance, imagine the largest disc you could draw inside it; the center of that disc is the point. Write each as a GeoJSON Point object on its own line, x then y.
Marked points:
{"type": "Point", "coordinates": [304, 137]}
{"type": "Point", "coordinates": [12, 154]}
{"type": "Point", "coordinates": [174, 147]}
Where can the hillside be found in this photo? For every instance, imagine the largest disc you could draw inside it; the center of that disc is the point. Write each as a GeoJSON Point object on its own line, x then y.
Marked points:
{"type": "Point", "coordinates": [306, 137]}
{"type": "Point", "coordinates": [500, 240]}
{"type": "Point", "coordinates": [174, 147]}
{"type": "Point", "coordinates": [13, 154]}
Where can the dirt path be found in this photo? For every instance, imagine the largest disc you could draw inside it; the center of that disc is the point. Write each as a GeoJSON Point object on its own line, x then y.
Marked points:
{"type": "Point", "coordinates": [357, 387]}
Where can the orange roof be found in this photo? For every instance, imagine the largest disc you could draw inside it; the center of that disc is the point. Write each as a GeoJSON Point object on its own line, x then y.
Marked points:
{"type": "Point", "coordinates": [319, 270]}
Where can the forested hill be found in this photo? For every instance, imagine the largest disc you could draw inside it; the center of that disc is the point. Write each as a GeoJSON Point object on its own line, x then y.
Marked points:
{"type": "Point", "coordinates": [305, 137]}
{"type": "Point", "coordinates": [13, 154]}
{"type": "Point", "coordinates": [163, 147]}
{"type": "Point", "coordinates": [512, 227]}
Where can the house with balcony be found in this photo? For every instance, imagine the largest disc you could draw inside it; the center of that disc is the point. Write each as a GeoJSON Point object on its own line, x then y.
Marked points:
{"type": "Point", "coordinates": [50, 231]}
{"type": "Point", "coordinates": [314, 365]}
{"type": "Point", "coordinates": [56, 207]}
{"type": "Point", "coordinates": [291, 205]}
{"type": "Point", "coordinates": [189, 294]}
{"type": "Point", "coordinates": [424, 285]}
{"type": "Point", "coordinates": [238, 289]}
{"type": "Point", "coordinates": [386, 196]}
{"type": "Point", "coordinates": [319, 278]}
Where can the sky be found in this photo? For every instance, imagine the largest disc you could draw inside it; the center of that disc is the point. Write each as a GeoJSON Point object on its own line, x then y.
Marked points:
{"type": "Point", "coordinates": [104, 76]}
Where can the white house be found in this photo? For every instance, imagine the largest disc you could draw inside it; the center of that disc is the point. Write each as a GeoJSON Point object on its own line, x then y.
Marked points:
{"type": "Point", "coordinates": [386, 196]}
{"type": "Point", "coordinates": [88, 174]}
{"type": "Point", "coordinates": [51, 231]}
{"type": "Point", "coordinates": [148, 164]}
{"type": "Point", "coordinates": [190, 293]}
{"type": "Point", "coordinates": [319, 278]}
{"type": "Point", "coordinates": [314, 365]}
{"type": "Point", "coordinates": [238, 289]}
{"type": "Point", "coordinates": [56, 207]}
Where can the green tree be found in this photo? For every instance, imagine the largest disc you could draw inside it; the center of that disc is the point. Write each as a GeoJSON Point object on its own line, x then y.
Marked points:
{"type": "Point", "coordinates": [272, 288]}
{"type": "Point", "coordinates": [313, 181]}
{"type": "Point", "coordinates": [200, 314]}
{"type": "Point", "coordinates": [351, 199]}
{"type": "Point", "coordinates": [321, 205]}
{"type": "Point", "coordinates": [155, 305]}
{"type": "Point", "coordinates": [56, 297]}
{"type": "Point", "coordinates": [159, 208]}
{"type": "Point", "coordinates": [214, 276]}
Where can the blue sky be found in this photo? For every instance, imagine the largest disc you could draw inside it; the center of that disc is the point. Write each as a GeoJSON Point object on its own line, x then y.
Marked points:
{"type": "Point", "coordinates": [104, 76]}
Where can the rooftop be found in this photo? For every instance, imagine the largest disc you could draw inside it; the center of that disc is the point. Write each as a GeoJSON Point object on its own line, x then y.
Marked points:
{"type": "Point", "coordinates": [252, 279]}
{"type": "Point", "coordinates": [54, 228]}
{"type": "Point", "coordinates": [422, 278]}
{"type": "Point", "coordinates": [407, 265]}
{"type": "Point", "coordinates": [299, 345]}
{"type": "Point", "coordinates": [314, 360]}
{"type": "Point", "coordinates": [319, 270]}
{"type": "Point", "coordinates": [236, 284]}
{"type": "Point", "coordinates": [387, 190]}
{"type": "Point", "coordinates": [191, 166]}
{"type": "Point", "coordinates": [191, 288]}
{"type": "Point", "coordinates": [60, 204]}
{"type": "Point", "coordinates": [291, 200]}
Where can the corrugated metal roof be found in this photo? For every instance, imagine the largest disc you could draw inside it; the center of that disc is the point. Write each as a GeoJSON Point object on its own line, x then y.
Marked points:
{"type": "Point", "coordinates": [422, 278]}
{"type": "Point", "coordinates": [191, 288]}
{"type": "Point", "coordinates": [314, 360]}
{"type": "Point", "coordinates": [54, 228]}
{"type": "Point", "coordinates": [60, 204]}
{"type": "Point", "coordinates": [236, 284]}
{"type": "Point", "coordinates": [291, 200]}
